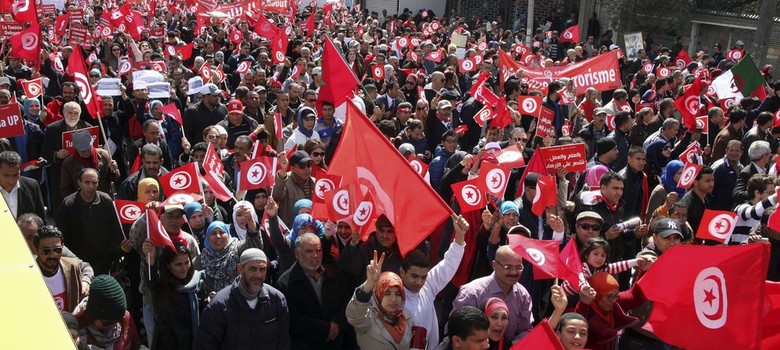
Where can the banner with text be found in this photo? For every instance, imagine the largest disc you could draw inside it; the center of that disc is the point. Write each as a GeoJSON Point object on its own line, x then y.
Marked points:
{"type": "Point", "coordinates": [601, 72]}
{"type": "Point", "coordinates": [571, 158]}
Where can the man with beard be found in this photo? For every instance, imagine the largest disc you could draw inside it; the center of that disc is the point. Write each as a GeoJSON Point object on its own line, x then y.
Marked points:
{"type": "Point", "coordinates": [62, 275]}
{"type": "Point", "coordinates": [246, 313]}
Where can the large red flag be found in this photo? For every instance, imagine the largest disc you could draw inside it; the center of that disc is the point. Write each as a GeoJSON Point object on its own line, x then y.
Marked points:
{"type": "Point", "coordinates": [507, 67]}
{"type": "Point", "coordinates": [24, 11]}
{"type": "Point", "coordinates": [156, 232]}
{"type": "Point", "coordinates": [78, 69]}
{"type": "Point", "coordinates": [365, 157]}
{"type": "Point", "coordinates": [542, 254]}
{"type": "Point", "coordinates": [771, 337]}
{"type": "Point", "coordinates": [689, 104]}
{"type": "Point", "coordinates": [571, 264]}
{"type": "Point", "coordinates": [774, 221]}
{"type": "Point", "coordinates": [468, 194]}
{"type": "Point", "coordinates": [571, 34]}
{"type": "Point", "coordinates": [546, 194]}
{"type": "Point", "coordinates": [541, 337]}
{"type": "Point", "coordinates": [128, 211]}
{"type": "Point", "coordinates": [535, 165]}
{"type": "Point", "coordinates": [27, 43]}
{"type": "Point", "coordinates": [339, 79]}
{"type": "Point", "coordinates": [310, 24]}
{"type": "Point", "coordinates": [493, 178]}
{"type": "Point", "coordinates": [717, 225]}
{"type": "Point", "coordinates": [181, 179]}
{"type": "Point", "coordinates": [265, 28]}
{"type": "Point", "coordinates": [279, 46]}
{"type": "Point", "coordinates": [714, 292]}
{"type": "Point", "coordinates": [682, 60]}
{"type": "Point", "coordinates": [256, 173]}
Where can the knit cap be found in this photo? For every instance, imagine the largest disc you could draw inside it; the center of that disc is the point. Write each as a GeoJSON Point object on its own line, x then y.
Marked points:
{"type": "Point", "coordinates": [106, 299]}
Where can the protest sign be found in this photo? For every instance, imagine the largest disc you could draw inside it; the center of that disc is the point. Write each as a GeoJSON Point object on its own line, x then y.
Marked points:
{"type": "Point", "coordinates": [571, 158]}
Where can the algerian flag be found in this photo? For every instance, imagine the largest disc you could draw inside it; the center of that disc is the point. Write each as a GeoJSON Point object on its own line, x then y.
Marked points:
{"type": "Point", "coordinates": [741, 80]}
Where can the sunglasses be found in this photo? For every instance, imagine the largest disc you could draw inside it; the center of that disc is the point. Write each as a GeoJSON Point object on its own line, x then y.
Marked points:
{"type": "Point", "coordinates": [318, 154]}
{"type": "Point", "coordinates": [590, 227]}
{"type": "Point", "coordinates": [94, 76]}
{"type": "Point", "coordinates": [116, 50]}
{"type": "Point", "coordinates": [47, 251]}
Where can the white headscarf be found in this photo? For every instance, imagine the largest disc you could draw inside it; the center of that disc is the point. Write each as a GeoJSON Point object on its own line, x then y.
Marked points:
{"type": "Point", "coordinates": [241, 231]}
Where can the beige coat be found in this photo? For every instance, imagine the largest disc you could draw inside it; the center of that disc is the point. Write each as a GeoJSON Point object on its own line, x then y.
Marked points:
{"type": "Point", "coordinates": [286, 192]}
{"type": "Point", "coordinates": [371, 333]}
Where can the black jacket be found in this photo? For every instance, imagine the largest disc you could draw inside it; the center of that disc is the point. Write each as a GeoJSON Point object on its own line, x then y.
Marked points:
{"type": "Point", "coordinates": [311, 317]}
{"type": "Point", "coordinates": [198, 117]}
{"type": "Point", "coordinates": [135, 150]}
{"type": "Point", "coordinates": [29, 198]}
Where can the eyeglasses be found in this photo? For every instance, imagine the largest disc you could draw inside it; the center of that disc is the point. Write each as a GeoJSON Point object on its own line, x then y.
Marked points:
{"type": "Point", "coordinates": [317, 154]}
{"type": "Point", "coordinates": [509, 267]}
{"type": "Point", "coordinates": [590, 227]}
{"type": "Point", "coordinates": [47, 251]}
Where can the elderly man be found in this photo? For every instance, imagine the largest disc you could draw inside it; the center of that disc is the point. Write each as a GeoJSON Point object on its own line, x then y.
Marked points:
{"type": "Point", "coordinates": [247, 313]}
{"type": "Point", "coordinates": [502, 284]}
{"type": "Point", "coordinates": [290, 187]}
{"type": "Point", "coordinates": [89, 224]}
{"type": "Point", "coordinates": [21, 194]}
{"type": "Point", "coordinates": [54, 151]}
{"type": "Point", "coordinates": [87, 156]}
{"type": "Point", "coordinates": [151, 166]}
{"type": "Point", "coordinates": [62, 275]}
{"type": "Point", "coordinates": [595, 130]}
{"type": "Point", "coordinates": [760, 155]}
{"type": "Point", "coordinates": [317, 298]}
{"type": "Point", "coordinates": [726, 171]}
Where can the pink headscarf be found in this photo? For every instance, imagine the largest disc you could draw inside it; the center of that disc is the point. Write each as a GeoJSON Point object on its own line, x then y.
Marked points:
{"type": "Point", "coordinates": [594, 174]}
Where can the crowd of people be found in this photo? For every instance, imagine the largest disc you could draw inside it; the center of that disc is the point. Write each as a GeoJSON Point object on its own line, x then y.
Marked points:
{"type": "Point", "coordinates": [260, 270]}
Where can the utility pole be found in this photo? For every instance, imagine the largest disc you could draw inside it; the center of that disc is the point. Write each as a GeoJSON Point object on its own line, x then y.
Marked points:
{"type": "Point", "coordinates": [766, 19]}
{"type": "Point", "coordinates": [529, 28]}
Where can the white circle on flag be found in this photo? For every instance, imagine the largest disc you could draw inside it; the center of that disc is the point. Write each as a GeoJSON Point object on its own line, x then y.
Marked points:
{"type": "Point", "coordinates": [680, 63]}
{"type": "Point", "coordinates": [322, 186]}
{"type": "Point", "coordinates": [106, 31]}
{"type": "Point", "coordinates": [34, 88]}
{"type": "Point", "coordinates": [467, 65]}
{"type": "Point", "coordinates": [29, 41]}
{"type": "Point", "coordinates": [737, 55]}
{"type": "Point", "coordinates": [568, 35]}
{"type": "Point", "coordinates": [413, 56]}
{"type": "Point", "coordinates": [470, 194]}
{"type": "Point", "coordinates": [495, 180]}
{"type": "Point", "coordinates": [257, 173]}
{"type": "Point", "coordinates": [171, 50]}
{"type": "Point", "coordinates": [729, 102]}
{"type": "Point", "coordinates": [687, 177]}
{"type": "Point", "coordinates": [363, 213]}
{"type": "Point", "coordinates": [478, 59]}
{"type": "Point", "coordinates": [711, 91]}
{"type": "Point", "coordinates": [518, 49]}
{"type": "Point", "coordinates": [435, 25]}
{"type": "Point", "coordinates": [611, 121]}
{"type": "Point", "coordinates": [648, 67]}
{"type": "Point", "coordinates": [529, 106]}
{"type": "Point", "coordinates": [536, 255]}
{"type": "Point", "coordinates": [180, 181]}
{"type": "Point", "coordinates": [710, 298]}
{"type": "Point", "coordinates": [415, 42]}
{"type": "Point", "coordinates": [180, 198]}
{"type": "Point", "coordinates": [131, 212]}
{"type": "Point", "coordinates": [484, 114]}
{"type": "Point", "coordinates": [378, 72]}
{"type": "Point", "coordinates": [699, 124]}
{"type": "Point", "coordinates": [435, 55]}
{"type": "Point", "coordinates": [482, 46]}
{"type": "Point", "coordinates": [402, 42]}
{"type": "Point", "coordinates": [124, 67]}
{"type": "Point", "coordinates": [416, 166]}
{"type": "Point", "coordinates": [243, 67]}
{"type": "Point", "coordinates": [85, 88]}
{"type": "Point", "coordinates": [626, 108]}
{"type": "Point", "coordinates": [340, 202]}
{"type": "Point", "coordinates": [692, 104]}
{"type": "Point", "coordinates": [663, 72]}
{"type": "Point", "coordinates": [279, 56]}
{"type": "Point", "coordinates": [720, 226]}
{"type": "Point", "coordinates": [548, 74]}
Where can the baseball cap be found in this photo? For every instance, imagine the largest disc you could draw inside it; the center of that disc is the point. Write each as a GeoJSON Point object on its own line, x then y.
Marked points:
{"type": "Point", "coordinates": [600, 110]}
{"type": "Point", "coordinates": [667, 227]}
{"type": "Point", "coordinates": [299, 157]}
{"type": "Point", "coordinates": [739, 42]}
{"type": "Point", "coordinates": [82, 140]}
{"type": "Point", "coordinates": [210, 89]}
{"type": "Point", "coordinates": [316, 71]}
{"type": "Point", "coordinates": [520, 229]}
{"type": "Point", "coordinates": [590, 215]}
{"type": "Point", "coordinates": [613, 47]}
{"type": "Point", "coordinates": [235, 106]}
{"type": "Point", "coordinates": [444, 104]}
{"type": "Point", "coordinates": [5, 81]}
{"type": "Point", "coordinates": [172, 208]}
{"type": "Point", "coordinates": [405, 148]}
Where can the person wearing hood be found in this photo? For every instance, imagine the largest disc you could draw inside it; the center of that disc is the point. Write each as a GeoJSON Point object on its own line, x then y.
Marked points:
{"type": "Point", "coordinates": [220, 255]}
{"type": "Point", "coordinates": [55, 152]}
{"type": "Point", "coordinates": [237, 122]}
{"type": "Point", "coordinates": [246, 224]}
{"type": "Point", "coordinates": [28, 145]}
{"type": "Point", "coordinates": [306, 119]}
{"type": "Point", "coordinates": [198, 218]}
{"type": "Point", "coordinates": [667, 191]}
{"type": "Point", "coordinates": [178, 298]}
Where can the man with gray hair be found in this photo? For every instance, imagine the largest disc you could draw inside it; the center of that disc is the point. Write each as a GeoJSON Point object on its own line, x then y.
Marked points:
{"type": "Point", "coordinates": [317, 298]}
{"type": "Point", "coordinates": [247, 313]}
{"type": "Point", "coordinates": [760, 154]}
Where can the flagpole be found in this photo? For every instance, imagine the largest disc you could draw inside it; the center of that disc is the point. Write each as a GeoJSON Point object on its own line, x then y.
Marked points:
{"type": "Point", "coordinates": [103, 131]}
{"type": "Point", "coordinates": [148, 257]}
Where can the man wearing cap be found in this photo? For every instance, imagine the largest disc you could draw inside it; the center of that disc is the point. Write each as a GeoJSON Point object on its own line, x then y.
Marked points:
{"type": "Point", "coordinates": [667, 233]}
{"type": "Point", "coordinates": [87, 156]}
{"type": "Point", "coordinates": [248, 313]}
{"type": "Point", "coordinates": [357, 254]}
{"type": "Point", "coordinates": [438, 123]}
{"type": "Point", "coordinates": [237, 122]}
{"type": "Point", "coordinates": [595, 130]}
{"type": "Point", "coordinates": [89, 223]}
{"type": "Point", "coordinates": [209, 111]}
{"type": "Point", "coordinates": [62, 275]}
{"type": "Point", "coordinates": [290, 187]}
{"type": "Point", "coordinates": [171, 219]}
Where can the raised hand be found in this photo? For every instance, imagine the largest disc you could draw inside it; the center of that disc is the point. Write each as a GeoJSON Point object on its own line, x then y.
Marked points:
{"type": "Point", "coordinates": [271, 208]}
{"type": "Point", "coordinates": [373, 270]}
{"type": "Point", "coordinates": [558, 298]}
{"type": "Point", "coordinates": [461, 226]}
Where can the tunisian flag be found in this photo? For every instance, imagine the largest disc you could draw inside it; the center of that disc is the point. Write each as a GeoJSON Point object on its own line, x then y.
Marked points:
{"type": "Point", "coordinates": [78, 69]}
{"type": "Point", "coordinates": [571, 34]}
{"type": "Point", "coordinates": [468, 194]}
{"type": "Point", "coordinates": [128, 211]}
{"type": "Point", "coordinates": [172, 111]}
{"type": "Point", "coordinates": [541, 337]}
{"type": "Point", "coordinates": [27, 43]}
{"type": "Point", "coordinates": [546, 194]}
{"type": "Point", "coordinates": [571, 264]}
{"type": "Point", "coordinates": [714, 292]}
{"type": "Point", "coordinates": [339, 79]}
{"type": "Point", "coordinates": [493, 178]}
{"type": "Point", "coordinates": [156, 232]}
{"type": "Point", "coordinates": [24, 11]}
{"type": "Point", "coordinates": [542, 254]}
{"type": "Point", "coordinates": [279, 46]}
{"type": "Point", "coordinates": [256, 173]}
{"type": "Point", "coordinates": [32, 88]}
{"type": "Point", "coordinates": [181, 179]}
{"type": "Point", "coordinates": [717, 225]}
{"type": "Point", "coordinates": [689, 104]}
{"type": "Point", "coordinates": [366, 158]}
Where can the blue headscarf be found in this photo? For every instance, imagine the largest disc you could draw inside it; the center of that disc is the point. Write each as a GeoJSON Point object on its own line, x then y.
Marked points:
{"type": "Point", "coordinates": [305, 110]}
{"type": "Point", "coordinates": [508, 206]}
{"type": "Point", "coordinates": [667, 178]}
{"type": "Point", "coordinates": [216, 225]}
{"type": "Point", "coordinates": [301, 203]}
{"type": "Point", "coordinates": [26, 109]}
{"type": "Point", "coordinates": [298, 222]}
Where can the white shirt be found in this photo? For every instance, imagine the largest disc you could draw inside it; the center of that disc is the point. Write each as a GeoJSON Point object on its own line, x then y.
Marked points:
{"type": "Point", "coordinates": [56, 284]}
{"type": "Point", "coordinates": [12, 199]}
{"type": "Point", "coordinates": [420, 305]}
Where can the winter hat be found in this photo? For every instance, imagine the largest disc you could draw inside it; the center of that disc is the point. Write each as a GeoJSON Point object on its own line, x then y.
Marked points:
{"type": "Point", "coordinates": [82, 140]}
{"type": "Point", "coordinates": [604, 145]}
{"type": "Point", "coordinates": [106, 299]}
{"type": "Point", "coordinates": [252, 254]}
{"type": "Point", "coordinates": [70, 321]}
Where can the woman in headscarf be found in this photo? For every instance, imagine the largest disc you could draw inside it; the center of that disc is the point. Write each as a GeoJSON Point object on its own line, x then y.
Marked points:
{"type": "Point", "coordinates": [376, 310]}
{"type": "Point", "coordinates": [245, 221]}
{"type": "Point", "coordinates": [307, 117]}
{"type": "Point", "coordinates": [178, 298]}
{"type": "Point", "coordinates": [220, 255]}
{"type": "Point", "coordinates": [198, 218]}
{"type": "Point", "coordinates": [28, 145]}
{"type": "Point", "coordinates": [498, 314]}
{"type": "Point", "coordinates": [602, 304]}
{"type": "Point", "coordinates": [148, 190]}
{"type": "Point", "coordinates": [32, 111]}
{"type": "Point", "coordinates": [667, 191]}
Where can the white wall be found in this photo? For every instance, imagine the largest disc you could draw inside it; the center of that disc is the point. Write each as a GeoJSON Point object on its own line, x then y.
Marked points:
{"type": "Point", "coordinates": [414, 5]}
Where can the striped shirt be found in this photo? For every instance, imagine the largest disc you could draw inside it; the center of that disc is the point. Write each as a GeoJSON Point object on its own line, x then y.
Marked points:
{"type": "Point", "coordinates": [748, 216]}
{"type": "Point", "coordinates": [613, 268]}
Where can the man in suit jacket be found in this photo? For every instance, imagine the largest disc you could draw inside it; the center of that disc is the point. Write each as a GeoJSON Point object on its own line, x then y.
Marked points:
{"type": "Point", "coordinates": [760, 153]}
{"type": "Point", "coordinates": [29, 147]}
{"type": "Point", "coordinates": [316, 298]}
{"type": "Point", "coordinates": [21, 194]}
{"type": "Point", "coordinates": [389, 101]}
{"type": "Point", "coordinates": [152, 134]}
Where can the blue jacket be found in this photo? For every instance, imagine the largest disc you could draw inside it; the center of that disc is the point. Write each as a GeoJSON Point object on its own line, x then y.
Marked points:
{"type": "Point", "coordinates": [436, 168]}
